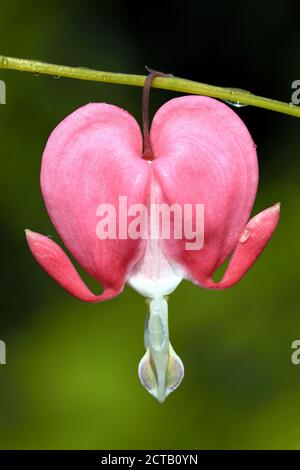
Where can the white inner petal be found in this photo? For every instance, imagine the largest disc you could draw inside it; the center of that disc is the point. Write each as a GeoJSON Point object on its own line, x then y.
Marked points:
{"type": "Point", "coordinates": [154, 275]}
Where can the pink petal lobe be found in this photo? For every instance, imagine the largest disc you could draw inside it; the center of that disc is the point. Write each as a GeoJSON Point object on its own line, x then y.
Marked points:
{"type": "Point", "coordinates": [251, 243]}
{"type": "Point", "coordinates": [92, 157]}
{"type": "Point", "coordinates": [56, 263]}
{"type": "Point", "coordinates": [204, 155]}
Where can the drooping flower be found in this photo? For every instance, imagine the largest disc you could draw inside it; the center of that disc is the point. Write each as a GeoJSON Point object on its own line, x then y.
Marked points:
{"type": "Point", "coordinates": [202, 153]}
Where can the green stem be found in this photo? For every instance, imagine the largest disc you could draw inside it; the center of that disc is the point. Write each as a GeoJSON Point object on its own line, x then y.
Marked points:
{"type": "Point", "coordinates": [167, 83]}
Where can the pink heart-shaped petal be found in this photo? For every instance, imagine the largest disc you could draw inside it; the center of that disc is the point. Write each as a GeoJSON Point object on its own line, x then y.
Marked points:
{"type": "Point", "coordinates": [91, 158]}
{"type": "Point", "coordinates": [205, 155]}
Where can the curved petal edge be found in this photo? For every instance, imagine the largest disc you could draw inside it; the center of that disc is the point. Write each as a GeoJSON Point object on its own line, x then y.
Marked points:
{"type": "Point", "coordinates": [251, 243]}
{"type": "Point", "coordinates": [56, 263]}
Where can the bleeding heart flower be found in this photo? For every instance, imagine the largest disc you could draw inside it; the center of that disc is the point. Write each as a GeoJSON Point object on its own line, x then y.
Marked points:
{"type": "Point", "coordinates": [200, 153]}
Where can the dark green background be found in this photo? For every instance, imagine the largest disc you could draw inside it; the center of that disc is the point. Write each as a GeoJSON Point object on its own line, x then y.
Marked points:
{"type": "Point", "coordinates": [71, 374]}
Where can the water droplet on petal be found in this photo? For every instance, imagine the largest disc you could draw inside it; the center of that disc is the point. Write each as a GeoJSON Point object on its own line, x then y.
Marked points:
{"type": "Point", "coordinates": [245, 235]}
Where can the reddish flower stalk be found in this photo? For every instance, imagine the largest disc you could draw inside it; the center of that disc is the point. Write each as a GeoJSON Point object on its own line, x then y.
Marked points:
{"type": "Point", "coordinates": [147, 151]}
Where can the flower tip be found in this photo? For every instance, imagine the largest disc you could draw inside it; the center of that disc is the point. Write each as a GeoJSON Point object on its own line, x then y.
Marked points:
{"type": "Point", "coordinates": [274, 211]}
{"type": "Point", "coordinates": [161, 399]}
{"type": "Point", "coordinates": [27, 233]}
{"type": "Point", "coordinates": [31, 236]}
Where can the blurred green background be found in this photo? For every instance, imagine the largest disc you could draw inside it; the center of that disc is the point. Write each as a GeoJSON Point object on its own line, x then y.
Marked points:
{"type": "Point", "coordinates": [71, 375]}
